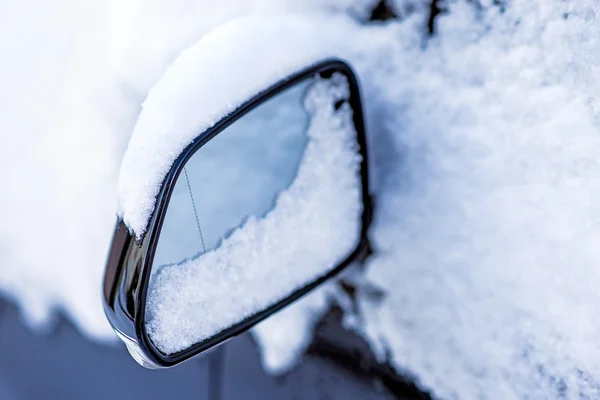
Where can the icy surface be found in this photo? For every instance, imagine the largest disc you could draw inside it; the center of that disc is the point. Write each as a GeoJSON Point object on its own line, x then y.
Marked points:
{"type": "Point", "coordinates": [314, 224]}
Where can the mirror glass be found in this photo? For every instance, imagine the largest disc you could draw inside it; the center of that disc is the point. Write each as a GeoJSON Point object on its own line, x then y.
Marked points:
{"type": "Point", "coordinates": [267, 206]}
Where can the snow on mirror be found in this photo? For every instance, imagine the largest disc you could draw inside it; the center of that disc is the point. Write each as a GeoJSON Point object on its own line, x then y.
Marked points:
{"type": "Point", "coordinates": [267, 206]}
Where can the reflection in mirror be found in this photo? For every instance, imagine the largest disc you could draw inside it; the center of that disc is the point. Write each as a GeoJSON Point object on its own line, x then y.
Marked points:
{"type": "Point", "coordinates": [267, 206]}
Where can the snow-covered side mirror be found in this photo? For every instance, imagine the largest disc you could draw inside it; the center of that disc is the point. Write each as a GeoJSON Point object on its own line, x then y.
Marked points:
{"type": "Point", "coordinates": [257, 211]}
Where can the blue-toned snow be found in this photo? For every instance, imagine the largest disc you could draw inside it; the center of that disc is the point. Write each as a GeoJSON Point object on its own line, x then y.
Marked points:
{"type": "Point", "coordinates": [485, 142]}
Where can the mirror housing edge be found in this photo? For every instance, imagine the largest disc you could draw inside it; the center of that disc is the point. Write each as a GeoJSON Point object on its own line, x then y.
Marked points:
{"type": "Point", "coordinates": [127, 271]}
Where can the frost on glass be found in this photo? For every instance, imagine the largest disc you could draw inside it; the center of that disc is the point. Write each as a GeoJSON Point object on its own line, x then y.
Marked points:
{"type": "Point", "coordinates": [267, 206]}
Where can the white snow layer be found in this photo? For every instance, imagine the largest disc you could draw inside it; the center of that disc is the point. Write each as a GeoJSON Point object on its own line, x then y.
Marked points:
{"type": "Point", "coordinates": [485, 141]}
{"type": "Point", "coordinates": [314, 224]}
{"type": "Point", "coordinates": [487, 232]}
{"type": "Point", "coordinates": [208, 81]}
{"type": "Point", "coordinates": [73, 76]}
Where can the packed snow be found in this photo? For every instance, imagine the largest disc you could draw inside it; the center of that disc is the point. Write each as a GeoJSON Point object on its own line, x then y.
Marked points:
{"type": "Point", "coordinates": [314, 224]}
{"type": "Point", "coordinates": [484, 140]}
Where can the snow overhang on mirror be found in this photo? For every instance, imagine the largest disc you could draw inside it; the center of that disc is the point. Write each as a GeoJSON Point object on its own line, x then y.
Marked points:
{"type": "Point", "coordinates": [195, 93]}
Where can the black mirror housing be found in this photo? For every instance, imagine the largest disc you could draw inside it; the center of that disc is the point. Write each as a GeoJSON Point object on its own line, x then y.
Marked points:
{"type": "Point", "coordinates": [127, 274]}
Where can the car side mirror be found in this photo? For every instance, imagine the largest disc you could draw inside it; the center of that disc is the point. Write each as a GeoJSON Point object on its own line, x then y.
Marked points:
{"type": "Point", "coordinates": [258, 210]}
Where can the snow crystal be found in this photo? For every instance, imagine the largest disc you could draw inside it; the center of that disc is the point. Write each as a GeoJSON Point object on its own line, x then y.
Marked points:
{"type": "Point", "coordinates": [314, 224]}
